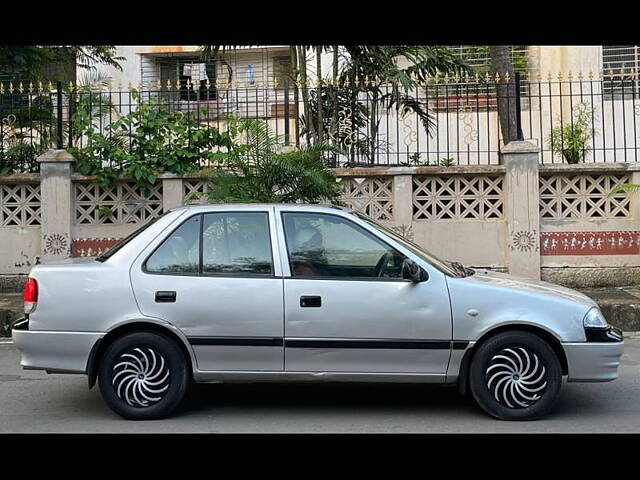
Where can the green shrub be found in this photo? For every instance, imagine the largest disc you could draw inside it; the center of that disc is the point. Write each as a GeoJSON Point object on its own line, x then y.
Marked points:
{"type": "Point", "coordinates": [571, 140]}
{"type": "Point", "coordinates": [145, 143]}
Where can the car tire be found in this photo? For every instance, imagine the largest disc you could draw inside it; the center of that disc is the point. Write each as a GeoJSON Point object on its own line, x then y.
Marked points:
{"type": "Point", "coordinates": [515, 376]}
{"type": "Point", "coordinates": [143, 376]}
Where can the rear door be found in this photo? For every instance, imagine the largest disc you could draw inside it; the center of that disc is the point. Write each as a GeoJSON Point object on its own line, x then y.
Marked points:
{"type": "Point", "coordinates": [217, 278]}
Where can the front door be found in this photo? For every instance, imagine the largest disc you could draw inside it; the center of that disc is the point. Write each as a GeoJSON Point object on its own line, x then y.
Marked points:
{"type": "Point", "coordinates": [214, 278]}
{"type": "Point", "coordinates": [347, 308]}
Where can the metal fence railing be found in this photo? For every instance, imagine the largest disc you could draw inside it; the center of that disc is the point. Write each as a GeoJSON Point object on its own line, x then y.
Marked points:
{"type": "Point", "coordinates": [444, 121]}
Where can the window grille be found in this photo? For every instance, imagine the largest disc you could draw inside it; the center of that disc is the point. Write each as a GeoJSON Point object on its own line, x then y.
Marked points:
{"type": "Point", "coordinates": [617, 60]}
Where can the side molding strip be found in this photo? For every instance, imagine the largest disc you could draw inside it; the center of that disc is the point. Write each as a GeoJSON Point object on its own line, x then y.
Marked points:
{"type": "Point", "coordinates": [330, 343]}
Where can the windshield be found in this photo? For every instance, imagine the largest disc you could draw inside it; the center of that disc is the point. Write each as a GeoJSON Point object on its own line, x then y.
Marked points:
{"type": "Point", "coordinates": [453, 269]}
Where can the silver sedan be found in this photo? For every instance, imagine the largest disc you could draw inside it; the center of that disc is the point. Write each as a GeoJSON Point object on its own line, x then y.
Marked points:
{"type": "Point", "coordinates": [247, 293]}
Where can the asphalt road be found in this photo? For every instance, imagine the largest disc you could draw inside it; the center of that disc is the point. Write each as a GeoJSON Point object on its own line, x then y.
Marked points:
{"type": "Point", "coordinates": [32, 401]}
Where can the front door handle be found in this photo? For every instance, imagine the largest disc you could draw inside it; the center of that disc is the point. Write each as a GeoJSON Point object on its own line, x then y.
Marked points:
{"type": "Point", "coordinates": [165, 297]}
{"type": "Point", "coordinates": [310, 301]}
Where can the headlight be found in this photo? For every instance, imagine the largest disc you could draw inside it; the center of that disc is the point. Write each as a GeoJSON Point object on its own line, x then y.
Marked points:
{"type": "Point", "coordinates": [594, 319]}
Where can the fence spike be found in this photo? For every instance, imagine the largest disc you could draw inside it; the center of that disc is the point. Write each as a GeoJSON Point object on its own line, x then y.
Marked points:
{"type": "Point", "coordinates": [31, 87]}
{"type": "Point", "coordinates": [559, 76]}
{"type": "Point", "coordinates": [159, 84]}
{"type": "Point", "coordinates": [446, 77]}
{"type": "Point", "coordinates": [10, 87]}
{"type": "Point", "coordinates": [20, 88]}
{"type": "Point", "coordinates": [621, 73]}
{"type": "Point", "coordinates": [497, 77]}
{"type": "Point", "coordinates": [207, 84]}
{"type": "Point", "coordinates": [40, 86]}
{"type": "Point", "coordinates": [1, 88]}
{"type": "Point", "coordinates": [507, 77]}
{"type": "Point", "coordinates": [633, 74]}
{"type": "Point", "coordinates": [570, 76]}
{"type": "Point", "coordinates": [50, 86]}
{"type": "Point", "coordinates": [580, 75]}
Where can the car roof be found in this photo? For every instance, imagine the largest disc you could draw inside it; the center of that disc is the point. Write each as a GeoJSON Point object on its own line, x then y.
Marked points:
{"type": "Point", "coordinates": [262, 206]}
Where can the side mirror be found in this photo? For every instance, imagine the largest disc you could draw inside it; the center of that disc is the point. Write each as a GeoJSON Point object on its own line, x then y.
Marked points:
{"type": "Point", "coordinates": [412, 271]}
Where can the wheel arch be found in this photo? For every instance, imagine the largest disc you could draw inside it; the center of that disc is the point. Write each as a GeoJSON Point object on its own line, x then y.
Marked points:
{"type": "Point", "coordinates": [136, 326]}
{"type": "Point", "coordinates": [545, 335]}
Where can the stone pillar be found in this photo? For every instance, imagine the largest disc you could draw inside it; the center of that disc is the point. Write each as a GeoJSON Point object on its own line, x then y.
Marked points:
{"type": "Point", "coordinates": [403, 200]}
{"type": "Point", "coordinates": [635, 197]}
{"type": "Point", "coordinates": [171, 191]}
{"type": "Point", "coordinates": [57, 205]}
{"type": "Point", "coordinates": [522, 209]}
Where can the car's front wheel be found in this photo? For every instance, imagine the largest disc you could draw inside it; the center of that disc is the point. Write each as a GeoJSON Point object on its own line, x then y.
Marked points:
{"type": "Point", "coordinates": [515, 376]}
{"type": "Point", "coordinates": [143, 376]}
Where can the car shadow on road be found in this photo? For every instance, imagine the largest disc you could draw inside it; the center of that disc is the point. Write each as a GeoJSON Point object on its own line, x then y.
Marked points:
{"type": "Point", "coordinates": [325, 396]}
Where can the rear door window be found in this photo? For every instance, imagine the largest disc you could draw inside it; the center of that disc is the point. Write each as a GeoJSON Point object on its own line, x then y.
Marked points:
{"type": "Point", "coordinates": [236, 243]}
{"type": "Point", "coordinates": [179, 253]}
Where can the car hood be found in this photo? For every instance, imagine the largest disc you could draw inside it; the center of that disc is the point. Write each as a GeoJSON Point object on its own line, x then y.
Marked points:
{"type": "Point", "coordinates": [531, 286]}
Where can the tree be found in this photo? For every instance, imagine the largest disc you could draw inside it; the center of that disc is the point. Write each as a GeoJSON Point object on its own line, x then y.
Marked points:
{"type": "Point", "coordinates": [502, 64]}
{"type": "Point", "coordinates": [36, 61]}
{"type": "Point", "coordinates": [389, 85]}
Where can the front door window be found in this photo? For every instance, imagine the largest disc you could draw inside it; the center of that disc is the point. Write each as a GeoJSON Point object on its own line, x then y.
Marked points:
{"type": "Point", "coordinates": [329, 246]}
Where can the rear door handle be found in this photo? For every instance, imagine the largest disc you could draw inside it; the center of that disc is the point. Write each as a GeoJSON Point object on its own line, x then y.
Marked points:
{"type": "Point", "coordinates": [310, 301]}
{"type": "Point", "coordinates": [165, 297]}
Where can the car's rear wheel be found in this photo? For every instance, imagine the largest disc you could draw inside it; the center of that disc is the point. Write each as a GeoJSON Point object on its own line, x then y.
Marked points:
{"type": "Point", "coordinates": [143, 376]}
{"type": "Point", "coordinates": [515, 376]}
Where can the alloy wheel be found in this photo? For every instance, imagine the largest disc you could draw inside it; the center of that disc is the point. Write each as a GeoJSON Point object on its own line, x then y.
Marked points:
{"type": "Point", "coordinates": [141, 377]}
{"type": "Point", "coordinates": [516, 377]}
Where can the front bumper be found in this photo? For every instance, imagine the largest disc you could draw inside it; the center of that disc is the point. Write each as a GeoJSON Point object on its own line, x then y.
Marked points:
{"type": "Point", "coordinates": [54, 351]}
{"type": "Point", "coordinates": [594, 361]}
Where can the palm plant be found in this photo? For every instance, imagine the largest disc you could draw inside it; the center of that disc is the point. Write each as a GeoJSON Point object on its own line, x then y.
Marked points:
{"type": "Point", "coordinates": [372, 80]}
{"type": "Point", "coordinates": [257, 170]}
{"type": "Point", "coordinates": [393, 91]}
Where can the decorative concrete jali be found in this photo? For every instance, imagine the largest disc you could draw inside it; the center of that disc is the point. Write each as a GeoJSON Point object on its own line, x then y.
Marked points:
{"type": "Point", "coordinates": [556, 222]}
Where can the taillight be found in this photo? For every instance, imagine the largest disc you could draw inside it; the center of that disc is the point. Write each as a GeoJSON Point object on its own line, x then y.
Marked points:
{"type": "Point", "coordinates": [30, 296]}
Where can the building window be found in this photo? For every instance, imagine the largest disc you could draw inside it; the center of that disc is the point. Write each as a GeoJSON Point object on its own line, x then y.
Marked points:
{"type": "Point", "coordinates": [184, 71]}
{"type": "Point", "coordinates": [281, 69]}
{"type": "Point", "coordinates": [481, 96]}
{"type": "Point", "coordinates": [478, 58]}
{"type": "Point", "coordinates": [617, 60]}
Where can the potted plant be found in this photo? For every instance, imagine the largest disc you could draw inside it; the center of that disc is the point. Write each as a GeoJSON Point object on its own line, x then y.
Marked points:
{"type": "Point", "coordinates": [571, 140]}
